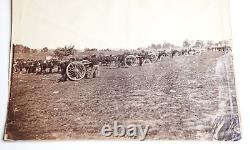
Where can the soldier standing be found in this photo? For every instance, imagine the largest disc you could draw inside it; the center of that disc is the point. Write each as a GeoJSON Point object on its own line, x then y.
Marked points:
{"type": "Point", "coordinates": [63, 66]}
{"type": "Point", "coordinates": [95, 66]}
{"type": "Point", "coordinates": [140, 60]}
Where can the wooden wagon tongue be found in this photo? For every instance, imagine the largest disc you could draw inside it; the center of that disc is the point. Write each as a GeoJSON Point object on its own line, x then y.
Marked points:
{"type": "Point", "coordinates": [86, 62]}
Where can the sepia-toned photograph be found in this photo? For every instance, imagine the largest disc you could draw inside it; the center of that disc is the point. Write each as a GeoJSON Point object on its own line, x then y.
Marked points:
{"type": "Point", "coordinates": [122, 70]}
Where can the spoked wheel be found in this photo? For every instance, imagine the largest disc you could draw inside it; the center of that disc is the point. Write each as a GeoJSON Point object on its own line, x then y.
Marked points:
{"type": "Point", "coordinates": [153, 57]}
{"type": "Point", "coordinates": [131, 60]}
{"type": "Point", "coordinates": [163, 58]}
{"type": "Point", "coordinates": [147, 61]}
{"type": "Point", "coordinates": [75, 71]}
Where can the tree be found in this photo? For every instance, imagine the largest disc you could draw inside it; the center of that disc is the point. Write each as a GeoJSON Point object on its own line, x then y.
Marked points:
{"type": "Point", "coordinates": [224, 43]}
{"type": "Point", "coordinates": [65, 51]}
{"type": "Point", "coordinates": [199, 44]}
{"type": "Point", "coordinates": [158, 46]}
{"type": "Point", "coordinates": [153, 46]}
{"type": "Point", "coordinates": [210, 43]}
{"type": "Point", "coordinates": [167, 45]}
{"type": "Point", "coordinates": [33, 50]}
{"type": "Point", "coordinates": [94, 49]}
{"type": "Point", "coordinates": [26, 49]}
{"type": "Point", "coordinates": [45, 49]}
{"type": "Point", "coordinates": [18, 48]}
{"type": "Point", "coordinates": [186, 43]}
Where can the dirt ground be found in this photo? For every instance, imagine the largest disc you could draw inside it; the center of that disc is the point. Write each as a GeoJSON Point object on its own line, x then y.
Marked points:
{"type": "Point", "coordinates": [179, 98]}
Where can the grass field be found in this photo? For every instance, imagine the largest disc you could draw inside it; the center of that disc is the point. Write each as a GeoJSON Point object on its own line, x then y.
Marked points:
{"type": "Point", "coordinates": [179, 98]}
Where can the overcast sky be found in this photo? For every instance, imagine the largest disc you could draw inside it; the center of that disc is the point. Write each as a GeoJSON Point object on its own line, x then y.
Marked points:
{"type": "Point", "coordinates": [117, 23]}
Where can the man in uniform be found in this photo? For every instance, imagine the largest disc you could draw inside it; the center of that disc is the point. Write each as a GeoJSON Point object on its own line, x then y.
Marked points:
{"type": "Point", "coordinates": [63, 66]}
{"type": "Point", "coordinates": [95, 66]}
{"type": "Point", "coordinates": [140, 59]}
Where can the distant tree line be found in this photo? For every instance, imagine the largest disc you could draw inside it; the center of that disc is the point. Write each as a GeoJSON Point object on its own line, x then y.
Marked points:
{"type": "Point", "coordinates": [161, 46]}
{"type": "Point", "coordinates": [90, 49]}
{"type": "Point", "coordinates": [189, 44]}
{"type": "Point", "coordinates": [70, 50]}
{"type": "Point", "coordinates": [19, 48]}
{"type": "Point", "coordinates": [207, 44]}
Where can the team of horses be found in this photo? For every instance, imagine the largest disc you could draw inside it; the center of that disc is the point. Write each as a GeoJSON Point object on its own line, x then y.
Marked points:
{"type": "Point", "coordinates": [36, 66]}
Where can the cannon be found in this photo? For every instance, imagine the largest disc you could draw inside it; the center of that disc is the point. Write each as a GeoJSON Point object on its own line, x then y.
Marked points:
{"type": "Point", "coordinates": [131, 60]}
{"type": "Point", "coordinates": [77, 70]}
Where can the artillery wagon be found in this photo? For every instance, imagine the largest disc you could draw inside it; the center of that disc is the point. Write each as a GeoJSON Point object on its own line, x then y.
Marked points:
{"type": "Point", "coordinates": [77, 70]}
{"type": "Point", "coordinates": [133, 60]}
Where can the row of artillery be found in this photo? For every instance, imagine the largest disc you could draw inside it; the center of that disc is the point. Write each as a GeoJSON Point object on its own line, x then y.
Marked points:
{"type": "Point", "coordinates": [122, 60]}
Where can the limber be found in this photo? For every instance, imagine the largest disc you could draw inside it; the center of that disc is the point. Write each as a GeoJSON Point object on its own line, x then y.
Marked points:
{"type": "Point", "coordinates": [135, 131]}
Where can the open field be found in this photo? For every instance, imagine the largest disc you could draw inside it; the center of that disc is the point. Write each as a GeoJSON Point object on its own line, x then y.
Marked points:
{"type": "Point", "coordinates": [179, 98]}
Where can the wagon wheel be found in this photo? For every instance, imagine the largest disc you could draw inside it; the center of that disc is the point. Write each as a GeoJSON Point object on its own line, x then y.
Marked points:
{"type": "Point", "coordinates": [153, 57]}
{"type": "Point", "coordinates": [131, 60]}
{"type": "Point", "coordinates": [163, 58]}
{"type": "Point", "coordinates": [147, 61]}
{"type": "Point", "coordinates": [75, 71]}
{"type": "Point", "coordinates": [179, 54]}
